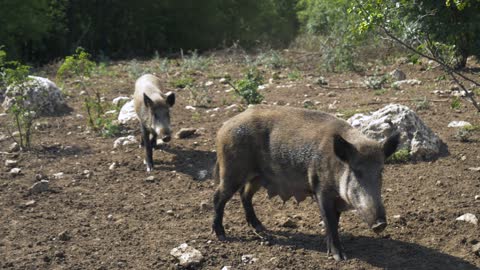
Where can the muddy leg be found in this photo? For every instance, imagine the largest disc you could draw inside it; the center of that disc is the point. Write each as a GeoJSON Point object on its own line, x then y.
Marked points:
{"type": "Point", "coordinates": [246, 195]}
{"type": "Point", "coordinates": [331, 216]}
{"type": "Point", "coordinates": [142, 137]}
{"type": "Point", "coordinates": [148, 148]}
{"type": "Point", "coordinates": [153, 141]}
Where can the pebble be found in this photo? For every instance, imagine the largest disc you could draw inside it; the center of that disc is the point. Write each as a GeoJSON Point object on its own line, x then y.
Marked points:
{"type": "Point", "coordinates": [15, 171]}
{"type": "Point", "coordinates": [289, 223]}
{"type": "Point", "coordinates": [185, 133]}
{"type": "Point", "coordinates": [209, 83]}
{"type": "Point", "coordinates": [112, 166]}
{"type": "Point", "coordinates": [40, 186]}
{"type": "Point", "coordinates": [248, 259]}
{"type": "Point", "coordinates": [64, 236]}
{"type": "Point", "coordinates": [459, 124]}
{"type": "Point", "coordinates": [30, 203]}
{"type": "Point", "coordinates": [227, 267]}
{"type": "Point", "coordinates": [468, 217]}
{"type": "Point", "coordinates": [11, 163]}
{"type": "Point", "coordinates": [204, 205]}
{"type": "Point", "coordinates": [14, 147]}
{"type": "Point", "coordinates": [191, 108]}
{"type": "Point", "coordinates": [170, 212]}
{"type": "Point", "coordinates": [476, 249]}
{"type": "Point", "coordinates": [331, 94]}
{"type": "Point", "coordinates": [58, 175]}
{"type": "Point", "coordinates": [477, 197]}
{"type": "Point", "coordinates": [150, 179]}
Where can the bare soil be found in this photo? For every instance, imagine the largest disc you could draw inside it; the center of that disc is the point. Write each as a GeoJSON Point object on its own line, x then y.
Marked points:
{"type": "Point", "coordinates": [115, 219]}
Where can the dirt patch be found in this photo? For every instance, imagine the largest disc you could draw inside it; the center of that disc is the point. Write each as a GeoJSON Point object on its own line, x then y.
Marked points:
{"type": "Point", "coordinates": [97, 218]}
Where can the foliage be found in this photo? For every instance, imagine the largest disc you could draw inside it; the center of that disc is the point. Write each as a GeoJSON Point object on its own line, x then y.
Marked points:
{"type": "Point", "coordinates": [455, 104]}
{"type": "Point", "coordinates": [80, 66]}
{"type": "Point", "coordinates": [401, 156]}
{"type": "Point", "coordinates": [464, 134]}
{"type": "Point", "coordinates": [376, 81]}
{"type": "Point", "coordinates": [422, 104]}
{"type": "Point", "coordinates": [14, 75]}
{"type": "Point", "coordinates": [449, 32]}
{"type": "Point", "coordinates": [247, 88]}
{"type": "Point", "coordinates": [195, 62]}
{"type": "Point", "coordinates": [199, 96]}
{"type": "Point", "coordinates": [41, 30]}
{"type": "Point", "coordinates": [182, 82]}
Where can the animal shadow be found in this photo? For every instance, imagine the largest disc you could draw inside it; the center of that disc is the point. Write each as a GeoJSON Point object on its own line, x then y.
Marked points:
{"type": "Point", "coordinates": [379, 252]}
{"type": "Point", "coordinates": [189, 161]}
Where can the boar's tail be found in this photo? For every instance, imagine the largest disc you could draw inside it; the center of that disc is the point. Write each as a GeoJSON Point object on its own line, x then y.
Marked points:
{"type": "Point", "coordinates": [216, 172]}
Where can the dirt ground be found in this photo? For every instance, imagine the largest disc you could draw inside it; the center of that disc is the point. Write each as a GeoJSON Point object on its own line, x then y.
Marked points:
{"type": "Point", "coordinates": [115, 219]}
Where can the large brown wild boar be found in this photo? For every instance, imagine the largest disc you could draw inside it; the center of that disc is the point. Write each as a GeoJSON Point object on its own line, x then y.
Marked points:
{"type": "Point", "coordinates": [300, 153]}
{"type": "Point", "coordinates": [153, 111]}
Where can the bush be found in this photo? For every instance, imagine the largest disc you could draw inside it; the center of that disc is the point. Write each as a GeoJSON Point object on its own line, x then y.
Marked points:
{"type": "Point", "coordinates": [401, 156]}
{"type": "Point", "coordinates": [22, 114]}
{"type": "Point", "coordinates": [247, 88]}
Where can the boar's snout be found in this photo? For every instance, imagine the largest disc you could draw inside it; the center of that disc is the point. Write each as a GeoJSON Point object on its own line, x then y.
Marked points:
{"type": "Point", "coordinates": [379, 225]}
{"type": "Point", "coordinates": [166, 138]}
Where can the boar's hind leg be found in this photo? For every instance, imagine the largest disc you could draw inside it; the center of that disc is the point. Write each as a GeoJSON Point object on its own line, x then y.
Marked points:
{"type": "Point", "coordinates": [228, 186]}
{"type": "Point", "coordinates": [331, 216]}
{"type": "Point", "coordinates": [246, 194]}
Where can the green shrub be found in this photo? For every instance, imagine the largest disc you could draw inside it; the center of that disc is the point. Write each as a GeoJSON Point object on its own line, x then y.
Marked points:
{"type": "Point", "coordinates": [401, 156]}
{"type": "Point", "coordinates": [14, 75]}
{"type": "Point", "coordinates": [182, 82]}
{"type": "Point", "coordinates": [247, 88]}
{"type": "Point", "coordinates": [456, 103]}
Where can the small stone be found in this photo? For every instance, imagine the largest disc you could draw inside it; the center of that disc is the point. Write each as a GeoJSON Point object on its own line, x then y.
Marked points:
{"type": "Point", "coordinates": [14, 147]}
{"type": "Point", "coordinates": [331, 94]}
{"type": "Point", "coordinates": [232, 107]}
{"type": "Point", "coordinates": [185, 133]}
{"type": "Point", "coordinates": [112, 166]}
{"type": "Point", "coordinates": [150, 179]}
{"type": "Point", "coordinates": [223, 81]}
{"type": "Point", "coordinates": [463, 158]}
{"type": "Point", "coordinates": [87, 174]}
{"type": "Point", "coordinates": [476, 249]}
{"type": "Point", "coordinates": [58, 175]}
{"type": "Point", "coordinates": [64, 236]}
{"type": "Point", "coordinates": [15, 171]}
{"type": "Point", "coordinates": [438, 183]}
{"type": "Point", "coordinates": [397, 216]}
{"type": "Point", "coordinates": [477, 197]}
{"type": "Point", "coordinates": [398, 75]}
{"type": "Point", "coordinates": [307, 103]}
{"type": "Point", "coordinates": [475, 169]}
{"type": "Point", "coordinates": [82, 93]}
{"type": "Point", "coordinates": [118, 100]}
{"type": "Point", "coordinates": [459, 124]}
{"type": "Point", "coordinates": [122, 141]}
{"type": "Point", "coordinates": [190, 108]}
{"type": "Point", "coordinates": [248, 259]}
{"type": "Point", "coordinates": [321, 81]}
{"type": "Point", "coordinates": [11, 163]}
{"type": "Point", "coordinates": [30, 203]}
{"type": "Point", "coordinates": [204, 205]}
{"type": "Point", "coordinates": [471, 218]}
{"type": "Point", "coordinates": [227, 267]}
{"type": "Point", "coordinates": [187, 255]}
{"type": "Point", "coordinates": [201, 175]}
{"type": "Point", "coordinates": [40, 176]}
{"type": "Point", "coordinates": [170, 213]}
{"type": "Point", "coordinates": [209, 83]}
{"type": "Point", "coordinates": [39, 187]}
{"type": "Point", "coordinates": [59, 254]}
{"type": "Point", "coordinates": [110, 217]}
{"type": "Point", "coordinates": [289, 223]}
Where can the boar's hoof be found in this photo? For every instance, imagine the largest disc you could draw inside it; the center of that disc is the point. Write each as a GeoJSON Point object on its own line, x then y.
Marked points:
{"type": "Point", "coordinates": [222, 238]}
{"type": "Point", "coordinates": [379, 227]}
{"type": "Point", "coordinates": [260, 228]}
{"type": "Point", "coordinates": [339, 257]}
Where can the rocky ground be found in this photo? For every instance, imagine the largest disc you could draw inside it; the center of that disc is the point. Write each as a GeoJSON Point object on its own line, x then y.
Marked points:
{"type": "Point", "coordinates": [101, 210]}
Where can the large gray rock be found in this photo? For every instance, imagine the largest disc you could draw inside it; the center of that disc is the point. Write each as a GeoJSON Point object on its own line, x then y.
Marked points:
{"type": "Point", "coordinates": [41, 95]}
{"type": "Point", "coordinates": [421, 142]}
{"type": "Point", "coordinates": [127, 113]}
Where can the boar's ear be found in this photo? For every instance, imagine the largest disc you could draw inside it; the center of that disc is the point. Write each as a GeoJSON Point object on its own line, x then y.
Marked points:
{"type": "Point", "coordinates": [170, 98]}
{"type": "Point", "coordinates": [391, 143]}
{"type": "Point", "coordinates": [343, 149]}
{"type": "Point", "coordinates": [148, 102]}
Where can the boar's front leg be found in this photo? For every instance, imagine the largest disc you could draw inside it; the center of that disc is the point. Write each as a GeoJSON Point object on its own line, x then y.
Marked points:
{"type": "Point", "coordinates": [148, 148]}
{"type": "Point", "coordinates": [331, 216]}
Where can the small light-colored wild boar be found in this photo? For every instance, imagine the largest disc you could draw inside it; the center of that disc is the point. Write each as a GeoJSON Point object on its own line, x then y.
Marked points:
{"type": "Point", "coordinates": [153, 111]}
{"type": "Point", "coordinates": [300, 153]}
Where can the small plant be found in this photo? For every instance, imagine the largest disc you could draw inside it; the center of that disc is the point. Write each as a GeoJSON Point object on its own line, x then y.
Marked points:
{"type": "Point", "coordinates": [294, 75]}
{"type": "Point", "coordinates": [455, 104]}
{"type": "Point", "coordinates": [375, 81]}
{"type": "Point", "coordinates": [80, 66]}
{"type": "Point", "coordinates": [135, 69]}
{"type": "Point", "coordinates": [199, 96]}
{"type": "Point", "coordinates": [465, 133]}
{"type": "Point", "coordinates": [422, 104]}
{"type": "Point", "coordinates": [401, 156]}
{"type": "Point", "coordinates": [380, 92]}
{"type": "Point", "coordinates": [271, 59]}
{"type": "Point", "coordinates": [195, 62]}
{"type": "Point", "coordinates": [247, 88]}
{"type": "Point", "coordinates": [182, 82]}
{"type": "Point", "coordinates": [14, 76]}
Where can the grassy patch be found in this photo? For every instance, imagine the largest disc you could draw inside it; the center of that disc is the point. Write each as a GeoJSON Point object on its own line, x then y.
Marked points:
{"type": "Point", "coordinates": [401, 156]}
{"type": "Point", "coordinates": [182, 82]}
